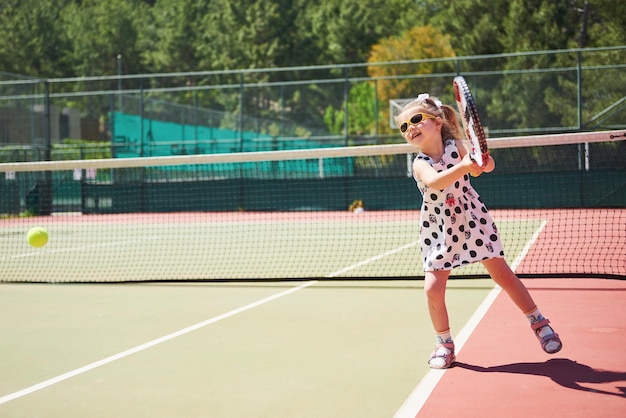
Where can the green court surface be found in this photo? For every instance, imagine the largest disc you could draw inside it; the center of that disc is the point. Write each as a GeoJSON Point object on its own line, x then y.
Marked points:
{"type": "Point", "coordinates": [312, 349]}
{"type": "Point", "coordinates": [327, 348]}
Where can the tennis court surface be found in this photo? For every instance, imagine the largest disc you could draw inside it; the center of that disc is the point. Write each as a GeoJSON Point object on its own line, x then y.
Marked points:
{"type": "Point", "coordinates": [288, 284]}
{"type": "Point", "coordinates": [305, 350]}
{"type": "Point", "coordinates": [502, 372]}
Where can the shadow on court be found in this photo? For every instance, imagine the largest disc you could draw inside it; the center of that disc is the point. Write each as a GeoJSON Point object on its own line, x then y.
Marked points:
{"type": "Point", "coordinates": [502, 371]}
{"type": "Point", "coordinates": [565, 372]}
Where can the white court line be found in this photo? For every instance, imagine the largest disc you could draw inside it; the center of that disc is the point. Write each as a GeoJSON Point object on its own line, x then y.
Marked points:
{"type": "Point", "coordinates": [184, 331]}
{"type": "Point", "coordinates": [105, 361]}
{"type": "Point", "coordinates": [147, 345]}
{"type": "Point", "coordinates": [421, 393]}
{"type": "Point", "coordinates": [371, 259]}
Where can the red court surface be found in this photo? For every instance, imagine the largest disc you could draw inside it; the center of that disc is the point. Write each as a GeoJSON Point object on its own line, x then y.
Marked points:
{"type": "Point", "coordinates": [502, 372]}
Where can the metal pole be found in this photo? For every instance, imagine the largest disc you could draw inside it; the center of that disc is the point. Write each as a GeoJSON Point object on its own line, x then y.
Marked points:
{"type": "Point", "coordinates": [282, 111]}
{"type": "Point", "coordinates": [241, 147]}
{"type": "Point", "coordinates": [141, 118]}
{"type": "Point", "coordinates": [45, 187]}
{"type": "Point", "coordinates": [119, 81]}
{"type": "Point", "coordinates": [47, 123]}
{"type": "Point", "coordinates": [346, 91]}
{"type": "Point", "coordinates": [376, 111]}
{"type": "Point", "coordinates": [579, 89]}
{"type": "Point", "coordinates": [142, 180]}
{"type": "Point", "coordinates": [584, 161]}
{"type": "Point", "coordinates": [195, 122]}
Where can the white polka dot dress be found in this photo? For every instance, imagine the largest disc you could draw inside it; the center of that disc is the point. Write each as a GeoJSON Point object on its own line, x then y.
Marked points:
{"type": "Point", "coordinates": [456, 228]}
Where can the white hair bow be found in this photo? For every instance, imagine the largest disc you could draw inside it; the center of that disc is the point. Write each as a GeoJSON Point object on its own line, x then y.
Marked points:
{"type": "Point", "coordinates": [422, 97]}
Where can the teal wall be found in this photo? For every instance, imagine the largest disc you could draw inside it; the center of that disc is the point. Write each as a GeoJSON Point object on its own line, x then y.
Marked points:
{"type": "Point", "coordinates": [132, 194]}
{"type": "Point", "coordinates": [134, 136]}
{"type": "Point", "coordinates": [529, 191]}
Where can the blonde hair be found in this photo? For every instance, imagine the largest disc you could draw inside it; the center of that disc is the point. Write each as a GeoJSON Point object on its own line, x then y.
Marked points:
{"type": "Point", "coordinates": [451, 128]}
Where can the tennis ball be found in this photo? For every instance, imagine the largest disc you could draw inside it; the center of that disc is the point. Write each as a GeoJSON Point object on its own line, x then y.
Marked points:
{"type": "Point", "coordinates": [37, 237]}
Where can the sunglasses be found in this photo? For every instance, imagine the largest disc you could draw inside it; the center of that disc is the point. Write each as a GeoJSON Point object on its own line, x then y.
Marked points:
{"type": "Point", "coordinates": [415, 119]}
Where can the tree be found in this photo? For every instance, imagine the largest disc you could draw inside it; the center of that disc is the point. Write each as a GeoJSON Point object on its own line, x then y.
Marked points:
{"type": "Point", "coordinates": [31, 40]}
{"type": "Point", "coordinates": [361, 121]}
{"type": "Point", "coordinates": [551, 99]}
{"type": "Point", "coordinates": [99, 31]}
{"type": "Point", "coordinates": [545, 27]}
{"type": "Point", "coordinates": [169, 38]}
{"type": "Point", "coordinates": [542, 99]}
{"type": "Point", "coordinates": [418, 43]}
{"type": "Point", "coordinates": [597, 23]}
{"type": "Point", "coordinates": [71, 38]}
{"type": "Point", "coordinates": [344, 30]}
{"type": "Point", "coordinates": [474, 26]}
{"type": "Point", "coordinates": [240, 34]}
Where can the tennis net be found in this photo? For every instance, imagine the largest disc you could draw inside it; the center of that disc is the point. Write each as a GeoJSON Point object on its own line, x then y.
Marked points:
{"type": "Point", "coordinates": [331, 214]}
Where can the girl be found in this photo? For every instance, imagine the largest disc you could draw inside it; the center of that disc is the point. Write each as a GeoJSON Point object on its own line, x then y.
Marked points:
{"type": "Point", "coordinates": [456, 228]}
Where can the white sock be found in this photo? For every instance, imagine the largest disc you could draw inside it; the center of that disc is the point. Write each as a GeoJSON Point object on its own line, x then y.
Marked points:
{"type": "Point", "coordinates": [443, 337]}
{"type": "Point", "coordinates": [534, 316]}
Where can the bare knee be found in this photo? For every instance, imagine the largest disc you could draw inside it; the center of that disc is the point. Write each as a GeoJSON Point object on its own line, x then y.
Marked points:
{"type": "Point", "coordinates": [435, 286]}
{"type": "Point", "coordinates": [500, 272]}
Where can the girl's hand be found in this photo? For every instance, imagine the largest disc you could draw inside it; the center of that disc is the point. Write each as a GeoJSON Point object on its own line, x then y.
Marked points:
{"type": "Point", "coordinates": [474, 169]}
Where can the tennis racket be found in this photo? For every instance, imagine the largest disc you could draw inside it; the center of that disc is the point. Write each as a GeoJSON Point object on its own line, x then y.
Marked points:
{"type": "Point", "coordinates": [479, 151]}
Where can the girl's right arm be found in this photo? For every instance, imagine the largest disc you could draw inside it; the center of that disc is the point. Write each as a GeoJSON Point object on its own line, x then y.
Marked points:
{"type": "Point", "coordinates": [442, 179]}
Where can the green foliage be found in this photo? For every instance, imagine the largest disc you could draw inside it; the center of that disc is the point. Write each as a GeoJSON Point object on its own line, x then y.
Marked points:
{"type": "Point", "coordinates": [69, 38]}
{"type": "Point", "coordinates": [361, 112]}
{"type": "Point", "coordinates": [69, 149]}
{"type": "Point", "coordinates": [606, 22]}
{"type": "Point", "coordinates": [99, 31]}
{"type": "Point", "coordinates": [78, 149]}
{"type": "Point", "coordinates": [345, 30]}
{"type": "Point", "coordinates": [537, 99]}
{"type": "Point", "coordinates": [63, 38]}
{"type": "Point", "coordinates": [169, 38]}
{"type": "Point", "coordinates": [30, 42]}
{"type": "Point", "coordinates": [246, 32]}
{"type": "Point", "coordinates": [334, 120]}
{"type": "Point", "coordinates": [479, 27]}
{"type": "Point", "coordinates": [418, 43]}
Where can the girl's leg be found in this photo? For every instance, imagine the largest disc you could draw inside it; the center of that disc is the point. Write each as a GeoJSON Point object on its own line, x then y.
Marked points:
{"type": "Point", "coordinates": [435, 290]}
{"type": "Point", "coordinates": [502, 274]}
